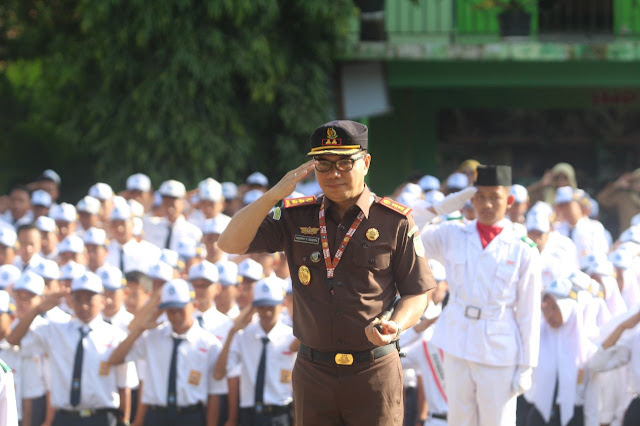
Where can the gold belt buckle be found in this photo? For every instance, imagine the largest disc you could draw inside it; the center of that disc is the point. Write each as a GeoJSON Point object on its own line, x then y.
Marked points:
{"type": "Point", "coordinates": [85, 413]}
{"type": "Point", "coordinates": [344, 359]}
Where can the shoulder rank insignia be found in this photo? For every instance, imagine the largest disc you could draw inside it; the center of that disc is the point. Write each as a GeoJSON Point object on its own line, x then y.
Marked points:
{"type": "Point", "coordinates": [395, 206]}
{"type": "Point", "coordinates": [529, 241]}
{"type": "Point", "coordinates": [302, 201]}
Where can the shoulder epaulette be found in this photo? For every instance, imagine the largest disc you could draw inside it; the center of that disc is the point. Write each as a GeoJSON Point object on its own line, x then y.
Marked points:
{"type": "Point", "coordinates": [4, 367]}
{"type": "Point", "coordinates": [295, 202]}
{"type": "Point", "coordinates": [395, 206]}
{"type": "Point", "coordinates": [529, 241]}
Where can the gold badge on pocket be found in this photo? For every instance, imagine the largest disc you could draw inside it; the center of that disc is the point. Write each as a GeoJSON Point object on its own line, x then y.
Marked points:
{"type": "Point", "coordinates": [194, 377]}
{"type": "Point", "coordinates": [372, 234]}
{"type": "Point", "coordinates": [104, 368]}
{"type": "Point", "coordinates": [304, 275]}
{"type": "Point", "coordinates": [285, 376]}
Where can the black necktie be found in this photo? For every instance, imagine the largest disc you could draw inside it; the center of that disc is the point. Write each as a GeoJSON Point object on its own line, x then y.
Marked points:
{"type": "Point", "coordinates": [200, 320]}
{"type": "Point", "coordinates": [76, 380]}
{"type": "Point", "coordinates": [167, 243]}
{"type": "Point", "coordinates": [172, 402]}
{"type": "Point", "coordinates": [121, 259]}
{"type": "Point", "coordinates": [262, 367]}
{"type": "Point", "coordinates": [108, 320]}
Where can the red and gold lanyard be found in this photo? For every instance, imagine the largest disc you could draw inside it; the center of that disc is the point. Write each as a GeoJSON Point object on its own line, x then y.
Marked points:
{"type": "Point", "coordinates": [331, 265]}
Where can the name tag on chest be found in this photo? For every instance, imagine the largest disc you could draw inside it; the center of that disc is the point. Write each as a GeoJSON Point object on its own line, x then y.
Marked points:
{"type": "Point", "coordinates": [306, 239]}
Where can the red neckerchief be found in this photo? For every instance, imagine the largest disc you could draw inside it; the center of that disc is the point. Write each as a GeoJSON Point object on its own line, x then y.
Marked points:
{"type": "Point", "coordinates": [487, 233]}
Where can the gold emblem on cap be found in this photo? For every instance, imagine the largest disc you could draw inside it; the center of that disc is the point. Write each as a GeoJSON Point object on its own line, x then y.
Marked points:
{"type": "Point", "coordinates": [304, 275]}
{"type": "Point", "coordinates": [372, 234]}
{"type": "Point", "coordinates": [331, 133]}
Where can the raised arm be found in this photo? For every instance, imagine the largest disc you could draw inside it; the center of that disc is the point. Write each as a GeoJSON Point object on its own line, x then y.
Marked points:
{"type": "Point", "coordinates": [49, 301]}
{"type": "Point", "coordinates": [241, 321]}
{"type": "Point", "coordinates": [244, 225]}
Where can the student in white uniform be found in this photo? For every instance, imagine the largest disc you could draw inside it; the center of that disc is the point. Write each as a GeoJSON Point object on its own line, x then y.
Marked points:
{"type": "Point", "coordinates": [620, 348]}
{"type": "Point", "coordinates": [8, 238]}
{"type": "Point", "coordinates": [139, 189]}
{"type": "Point", "coordinates": [261, 351]}
{"type": "Point", "coordinates": [95, 241]}
{"type": "Point", "coordinates": [622, 259]}
{"type": "Point", "coordinates": [86, 390]}
{"type": "Point", "coordinates": [8, 408]}
{"type": "Point", "coordinates": [588, 235]}
{"type": "Point", "coordinates": [9, 355]}
{"type": "Point", "coordinates": [427, 359]}
{"type": "Point", "coordinates": [517, 211]}
{"type": "Point", "coordinates": [558, 255]}
{"type": "Point", "coordinates": [66, 218]}
{"type": "Point", "coordinates": [29, 246]}
{"type": "Point", "coordinates": [211, 230]}
{"type": "Point", "coordinates": [210, 204]}
{"type": "Point", "coordinates": [88, 209]}
{"type": "Point", "coordinates": [8, 276]}
{"type": "Point", "coordinates": [249, 272]}
{"type": "Point", "coordinates": [104, 193]}
{"type": "Point", "coordinates": [180, 355]}
{"type": "Point", "coordinates": [49, 238]}
{"type": "Point", "coordinates": [40, 203]}
{"type": "Point", "coordinates": [564, 350]}
{"type": "Point", "coordinates": [71, 249]}
{"type": "Point", "coordinates": [166, 231]}
{"type": "Point", "coordinates": [226, 298]}
{"type": "Point", "coordinates": [489, 330]}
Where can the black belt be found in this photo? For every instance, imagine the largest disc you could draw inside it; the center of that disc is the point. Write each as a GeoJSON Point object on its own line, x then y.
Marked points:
{"type": "Point", "coordinates": [273, 410]}
{"type": "Point", "coordinates": [181, 410]}
{"type": "Point", "coordinates": [438, 416]}
{"type": "Point", "coordinates": [88, 412]}
{"type": "Point", "coordinates": [347, 358]}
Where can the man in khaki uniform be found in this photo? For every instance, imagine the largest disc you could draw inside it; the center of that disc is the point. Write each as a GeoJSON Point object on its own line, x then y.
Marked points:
{"type": "Point", "coordinates": [349, 253]}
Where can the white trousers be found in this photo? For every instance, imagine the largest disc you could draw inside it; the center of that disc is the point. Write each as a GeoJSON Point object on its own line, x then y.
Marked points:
{"type": "Point", "coordinates": [479, 394]}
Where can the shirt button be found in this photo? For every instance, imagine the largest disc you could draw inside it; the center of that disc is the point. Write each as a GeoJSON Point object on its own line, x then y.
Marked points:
{"type": "Point", "coordinates": [372, 261]}
{"type": "Point", "coordinates": [339, 283]}
{"type": "Point", "coordinates": [365, 245]}
{"type": "Point", "coordinates": [341, 227]}
{"type": "Point", "coordinates": [304, 259]}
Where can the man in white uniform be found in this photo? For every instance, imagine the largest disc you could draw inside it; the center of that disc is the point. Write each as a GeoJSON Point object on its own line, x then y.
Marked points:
{"type": "Point", "coordinates": [489, 330]}
{"type": "Point", "coordinates": [8, 407]}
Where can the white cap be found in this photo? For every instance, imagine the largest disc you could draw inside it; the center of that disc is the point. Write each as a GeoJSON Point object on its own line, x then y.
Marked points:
{"type": "Point", "coordinates": [457, 181]}
{"type": "Point", "coordinates": [101, 191]}
{"type": "Point", "coordinates": [88, 281]}
{"type": "Point", "coordinates": [138, 226]}
{"type": "Point", "coordinates": [170, 257]}
{"type": "Point", "coordinates": [269, 291]}
{"type": "Point", "coordinates": [229, 190]}
{"type": "Point", "coordinates": [215, 225]}
{"type": "Point", "coordinates": [47, 269]}
{"type": "Point", "coordinates": [50, 174]}
{"type": "Point", "coordinates": [71, 270]}
{"type": "Point", "coordinates": [188, 248]}
{"type": "Point", "coordinates": [176, 293]}
{"type": "Point", "coordinates": [210, 190]}
{"type": "Point", "coordinates": [8, 237]}
{"type": "Point", "coordinates": [631, 234]}
{"type": "Point", "coordinates": [121, 211]}
{"type": "Point", "coordinates": [89, 205]}
{"type": "Point", "coordinates": [580, 280]}
{"type": "Point", "coordinates": [139, 182]}
{"type": "Point", "coordinates": [257, 178]}
{"type": "Point", "coordinates": [5, 302]}
{"type": "Point", "coordinates": [137, 209]}
{"type": "Point", "coordinates": [560, 288]}
{"type": "Point", "coordinates": [564, 194]}
{"type": "Point", "coordinates": [621, 258]}
{"type": "Point", "coordinates": [45, 224]}
{"type": "Point", "coordinates": [71, 243]}
{"type": "Point", "coordinates": [41, 198]}
{"type": "Point", "coordinates": [429, 183]}
{"type": "Point", "coordinates": [600, 266]}
{"type": "Point", "coordinates": [172, 188]}
{"type": "Point", "coordinates": [537, 222]}
{"type": "Point", "coordinates": [251, 269]}
{"type": "Point", "coordinates": [542, 208]}
{"type": "Point", "coordinates": [63, 212]}
{"type": "Point", "coordinates": [205, 270]}
{"type": "Point", "coordinates": [95, 236]}
{"type": "Point", "coordinates": [438, 271]}
{"type": "Point", "coordinates": [227, 273]}
{"type": "Point", "coordinates": [251, 196]}
{"type": "Point", "coordinates": [161, 271]}
{"type": "Point", "coordinates": [433, 196]}
{"type": "Point", "coordinates": [111, 277]}
{"type": "Point", "coordinates": [595, 208]}
{"type": "Point", "coordinates": [520, 193]}
{"type": "Point", "coordinates": [8, 275]}
{"type": "Point", "coordinates": [412, 189]}
{"type": "Point", "coordinates": [635, 220]}
{"type": "Point", "coordinates": [31, 282]}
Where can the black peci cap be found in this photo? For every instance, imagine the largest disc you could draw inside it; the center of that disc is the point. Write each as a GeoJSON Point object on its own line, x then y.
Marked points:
{"type": "Point", "coordinates": [341, 137]}
{"type": "Point", "coordinates": [493, 176]}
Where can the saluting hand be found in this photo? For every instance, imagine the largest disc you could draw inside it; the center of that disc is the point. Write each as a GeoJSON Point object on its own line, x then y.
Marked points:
{"type": "Point", "coordinates": [287, 184]}
{"type": "Point", "coordinates": [388, 334]}
{"type": "Point", "coordinates": [51, 300]}
{"type": "Point", "coordinates": [243, 319]}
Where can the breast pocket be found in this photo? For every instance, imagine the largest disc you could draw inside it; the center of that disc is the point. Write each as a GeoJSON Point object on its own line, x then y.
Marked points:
{"type": "Point", "coordinates": [506, 275]}
{"type": "Point", "coordinates": [375, 258]}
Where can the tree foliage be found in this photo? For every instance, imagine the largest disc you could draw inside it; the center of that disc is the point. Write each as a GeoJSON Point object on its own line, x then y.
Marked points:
{"type": "Point", "coordinates": [175, 88]}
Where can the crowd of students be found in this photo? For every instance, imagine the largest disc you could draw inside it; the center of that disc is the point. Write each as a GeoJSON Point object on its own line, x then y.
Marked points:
{"type": "Point", "coordinates": [121, 308]}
